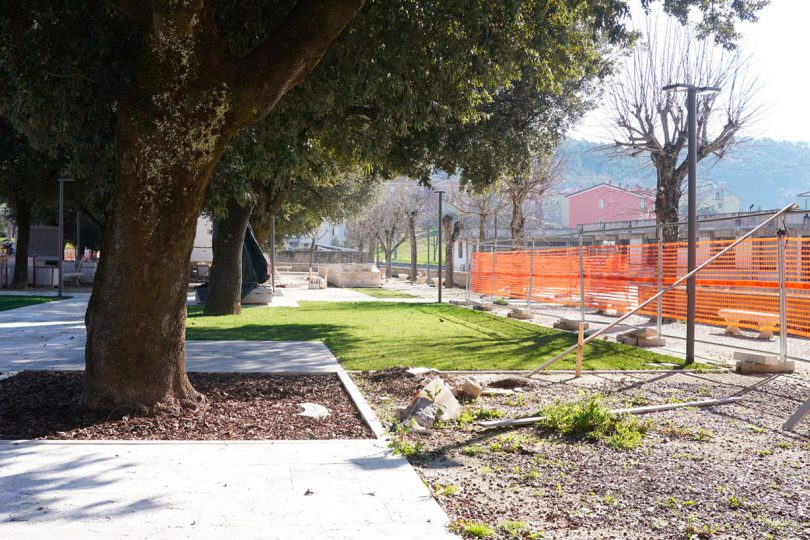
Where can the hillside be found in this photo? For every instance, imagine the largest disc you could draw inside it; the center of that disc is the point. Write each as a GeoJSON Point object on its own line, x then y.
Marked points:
{"type": "Point", "coordinates": [763, 172]}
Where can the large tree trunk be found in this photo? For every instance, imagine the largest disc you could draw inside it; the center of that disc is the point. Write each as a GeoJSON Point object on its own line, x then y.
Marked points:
{"type": "Point", "coordinates": [22, 212]}
{"type": "Point", "coordinates": [225, 281]}
{"type": "Point", "coordinates": [518, 223]}
{"type": "Point", "coordinates": [185, 102]}
{"type": "Point", "coordinates": [482, 224]}
{"type": "Point", "coordinates": [668, 197]}
{"type": "Point", "coordinates": [414, 253]}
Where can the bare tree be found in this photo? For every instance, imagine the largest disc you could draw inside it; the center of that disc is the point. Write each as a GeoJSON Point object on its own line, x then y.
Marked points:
{"type": "Point", "coordinates": [647, 120]}
{"type": "Point", "coordinates": [482, 205]}
{"type": "Point", "coordinates": [389, 220]}
{"type": "Point", "coordinates": [546, 172]}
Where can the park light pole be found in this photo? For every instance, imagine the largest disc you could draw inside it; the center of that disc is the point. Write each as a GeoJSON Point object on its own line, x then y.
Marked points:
{"type": "Point", "coordinates": [61, 231]}
{"type": "Point", "coordinates": [692, 92]}
{"type": "Point", "coordinates": [439, 246]}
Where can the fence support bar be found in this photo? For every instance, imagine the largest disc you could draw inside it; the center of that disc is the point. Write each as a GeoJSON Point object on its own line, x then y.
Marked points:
{"type": "Point", "coordinates": [531, 273]}
{"type": "Point", "coordinates": [581, 285]}
{"type": "Point", "coordinates": [781, 235]}
{"type": "Point", "coordinates": [667, 289]}
{"type": "Point", "coordinates": [659, 303]}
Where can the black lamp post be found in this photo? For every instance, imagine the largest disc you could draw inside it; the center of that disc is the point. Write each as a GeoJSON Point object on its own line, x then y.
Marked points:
{"type": "Point", "coordinates": [61, 230]}
{"type": "Point", "coordinates": [439, 246]}
{"type": "Point", "coordinates": [692, 92]}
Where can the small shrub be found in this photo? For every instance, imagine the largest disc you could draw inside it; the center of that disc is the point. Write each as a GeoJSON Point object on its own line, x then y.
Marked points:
{"type": "Point", "coordinates": [473, 450]}
{"type": "Point", "coordinates": [702, 435]}
{"type": "Point", "coordinates": [484, 413]}
{"type": "Point", "coordinates": [735, 502]}
{"type": "Point", "coordinates": [784, 445]}
{"type": "Point", "coordinates": [763, 452]}
{"type": "Point", "coordinates": [500, 302]}
{"type": "Point", "coordinates": [510, 443]}
{"type": "Point", "coordinates": [472, 529]}
{"type": "Point", "coordinates": [588, 417]}
{"type": "Point", "coordinates": [445, 491]}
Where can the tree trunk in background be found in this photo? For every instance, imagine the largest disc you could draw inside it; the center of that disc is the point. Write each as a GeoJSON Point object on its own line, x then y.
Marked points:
{"type": "Point", "coordinates": [372, 249]}
{"type": "Point", "coordinates": [312, 248]}
{"type": "Point", "coordinates": [517, 225]}
{"type": "Point", "coordinates": [22, 212]}
{"type": "Point", "coordinates": [668, 197]}
{"type": "Point", "coordinates": [451, 234]}
{"type": "Point", "coordinates": [414, 253]}
{"type": "Point", "coordinates": [482, 224]}
{"type": "Point", "coordinates": [225, 281]}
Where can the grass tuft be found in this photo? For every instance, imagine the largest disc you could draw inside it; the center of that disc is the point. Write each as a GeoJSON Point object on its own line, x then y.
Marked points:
{"type": "Point", "coordinates": [589, 418]}
{"type": "Point", "coordinates": [472, 529]}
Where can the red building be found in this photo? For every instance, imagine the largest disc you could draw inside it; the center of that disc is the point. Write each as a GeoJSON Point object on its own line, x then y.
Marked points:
{"type": "Point", "coordinates": [606, 203]}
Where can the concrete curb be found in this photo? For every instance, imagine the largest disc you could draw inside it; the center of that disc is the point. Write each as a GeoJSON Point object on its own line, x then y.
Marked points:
{"type": "Point", "coordinates": [366, 412]}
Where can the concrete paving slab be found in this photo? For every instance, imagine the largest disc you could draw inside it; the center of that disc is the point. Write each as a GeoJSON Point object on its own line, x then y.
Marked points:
{"type": "Point", "coordinates": [255, 489]}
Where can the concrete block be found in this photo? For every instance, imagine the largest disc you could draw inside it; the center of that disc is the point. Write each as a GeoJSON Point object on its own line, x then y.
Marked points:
{"type": "Point", "coordinates": [521, 314]}
{"type": "Point", "coordinates": [651, 342]}
{"type": "Point", "coordinates": [647, 332]}
{"type": "Point", "coordinates": [569, 325]}
{"type": "Point", "coordinates": [756, 358]}
{"type": "Point", "coordinates": [749, 368]}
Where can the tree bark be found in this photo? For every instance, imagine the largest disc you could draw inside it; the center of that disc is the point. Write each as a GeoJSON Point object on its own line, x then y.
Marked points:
{"type": "Point", "coordinates": [225, 282]}
{"type": "Point", "coordinates": [414, 253]}
{"type": "Point", "coordinates": [22, 212]}
{"type": "Point", "coordinates": [517, 225]}
{"type": "Point", "coordinates": [482, 224]}
{"type": "Point", "coordinates": [186, 101]}
{"type": "Point", "coordinates": [668, 196]}
{"type": "Point", "coordinates": [451, 234]}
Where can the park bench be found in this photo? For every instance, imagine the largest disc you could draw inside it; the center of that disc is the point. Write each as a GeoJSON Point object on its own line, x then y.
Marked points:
{"type": "Point", "coordinates": [765, 323]}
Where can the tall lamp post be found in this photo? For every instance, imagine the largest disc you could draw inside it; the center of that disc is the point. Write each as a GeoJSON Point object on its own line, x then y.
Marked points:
{"type": "Point", "coordinates": [62, 230]}
{"type": "Point", "coordinates": [692, 92]}
{"type": "Point", "coordinates": [439, 246]}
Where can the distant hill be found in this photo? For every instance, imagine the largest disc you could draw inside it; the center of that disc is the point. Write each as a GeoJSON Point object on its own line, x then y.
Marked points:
{"type": "Point", "coordinates": [763, 172]}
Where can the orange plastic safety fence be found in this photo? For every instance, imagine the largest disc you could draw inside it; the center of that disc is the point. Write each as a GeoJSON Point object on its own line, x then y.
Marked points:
{"type": "Point", "coordinates": [741, 288]}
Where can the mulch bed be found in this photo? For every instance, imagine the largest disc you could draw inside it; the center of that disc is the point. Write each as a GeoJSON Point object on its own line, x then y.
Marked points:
{"type": "Point", "coordinates": [726, 472]}
{"type": "Point", "coordinates": [43, 405]}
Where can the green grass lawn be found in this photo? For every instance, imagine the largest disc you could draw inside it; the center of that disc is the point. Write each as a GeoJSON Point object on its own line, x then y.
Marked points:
{"type": "Point", "coordinates": [381, 293]}
{"type": "Point", "coordinates": [375, 335]}
{"type": "Point", "coordinates": [8, 301]}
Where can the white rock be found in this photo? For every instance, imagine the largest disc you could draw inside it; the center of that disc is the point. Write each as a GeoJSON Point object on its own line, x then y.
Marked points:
{"type": "Point", "coordinates": [313, 410]}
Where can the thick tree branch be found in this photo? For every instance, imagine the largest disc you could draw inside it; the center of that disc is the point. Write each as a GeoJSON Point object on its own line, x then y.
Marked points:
{"type": "Point", "coordinates": [262, 77]}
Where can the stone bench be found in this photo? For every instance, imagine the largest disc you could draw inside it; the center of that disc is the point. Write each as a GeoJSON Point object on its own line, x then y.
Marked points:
{"type": "Point", "coordinates": [765, 323]}
{"type": "Point", "coordinates": [74, 277]}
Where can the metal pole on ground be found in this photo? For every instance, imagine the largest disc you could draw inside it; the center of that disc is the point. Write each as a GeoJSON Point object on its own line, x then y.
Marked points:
{"type": "Point", "coordinates": [439, 246]}
{"type": "Point", "coordinates": [469, 274]}
{"type": "Point", "coordinates": [77, 254]}
{"type": "Point", "coordinates": [581, 285]}
{"type": "Point", "coordinates": [659, 304]}
{"type": "Point", "coordinates": [61, 232]}
{"type": "Point", "coordinates": [781, 234]}
{"type": "Point", "coordinates": [492, 279]}
{"type": "Point", "coordinates": [273, 255]}
{"type": "Point", "coordinates": [427, 278]}
{"type": "Point", "coordinates": [531, 275]}
{"type": "Point", "coordinates": [691, 258]}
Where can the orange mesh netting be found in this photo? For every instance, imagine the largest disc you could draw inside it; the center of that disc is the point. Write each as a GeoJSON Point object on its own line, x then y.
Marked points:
{"type": "Point", "coordinates": [746, 279]}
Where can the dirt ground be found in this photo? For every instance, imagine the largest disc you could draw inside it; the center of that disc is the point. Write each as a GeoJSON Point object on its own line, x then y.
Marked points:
{"type": "Point", "coordinates": [727, 471]}
{"type": "Point", "coordinates": [44, 405]}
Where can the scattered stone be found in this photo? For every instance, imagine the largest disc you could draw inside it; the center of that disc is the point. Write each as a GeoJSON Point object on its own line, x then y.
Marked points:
{"type": "Point", "coordinates": [433, 402]}
{"type": "Point", "coordinates": [498, 392]}
{"type": "Point", "coordinates": [313, 410]}
{"type": "Point", "coordinates": [421, 371]}
{"type": "Point", "coordinates": [748, 362]}
{"type": "Point", "coordinates": [482, 307]}
{"type": "Point", "coordinates": [756, 358]}
{"type": "Point", "coordinates": [469, 388]}
{"type": "Point", "coordinates": [642, 337]}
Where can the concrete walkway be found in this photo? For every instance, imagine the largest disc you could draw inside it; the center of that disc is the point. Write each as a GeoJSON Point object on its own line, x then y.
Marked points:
{"type": "Point", "coordinates": [341, 489]}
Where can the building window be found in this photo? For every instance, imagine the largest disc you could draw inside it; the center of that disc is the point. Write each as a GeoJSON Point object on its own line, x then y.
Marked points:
{"type": "Point", "coordinates": [601, 204]}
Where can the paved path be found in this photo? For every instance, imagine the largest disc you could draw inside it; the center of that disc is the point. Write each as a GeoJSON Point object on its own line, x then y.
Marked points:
{"type": "Point", "coordinates": [201, 489]}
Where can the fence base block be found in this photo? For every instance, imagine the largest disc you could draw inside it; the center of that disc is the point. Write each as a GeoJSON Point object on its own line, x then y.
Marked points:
{"type": "Point", "coordinates": [521, 314]}
{"type": "Point", "coordinates": [749, 368]}
{"type": "Point", "coordinates": [569, 325]}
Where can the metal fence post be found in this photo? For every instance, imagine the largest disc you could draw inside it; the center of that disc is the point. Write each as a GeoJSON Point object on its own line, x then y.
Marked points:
{"type": "Point", "coordinates": [492, 279]}
{"type": "Point", "coordinates": [659, 232]}
{"type": "Point", "coordinates": [781, 240]}
{"type": "Point", "coordinates": [469, 274]}
{"type": "Point", "coordinates": [581, 283]}
{"type": "Point", "coordinates": [531, 274]}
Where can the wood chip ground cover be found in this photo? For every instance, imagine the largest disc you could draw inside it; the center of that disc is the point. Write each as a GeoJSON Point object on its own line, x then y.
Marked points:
{"type": "Point", "coordinates": [722, 472]}
{"type": "Point", "coordinates": [43, 405]}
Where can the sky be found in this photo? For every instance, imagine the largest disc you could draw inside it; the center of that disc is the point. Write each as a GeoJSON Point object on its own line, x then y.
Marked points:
{"type": "Point", "coordinates": [779, 45]}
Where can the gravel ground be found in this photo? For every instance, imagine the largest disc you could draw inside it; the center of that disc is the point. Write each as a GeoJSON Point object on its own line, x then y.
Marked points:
{"type": "Point", "coordinates": [43, 405]}
{"type": "Point", "coordinates": [715, 472]}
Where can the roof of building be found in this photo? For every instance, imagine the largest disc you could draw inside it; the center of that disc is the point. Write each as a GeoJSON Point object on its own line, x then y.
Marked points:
{"type": "Point", "coordinates": [639, 191]}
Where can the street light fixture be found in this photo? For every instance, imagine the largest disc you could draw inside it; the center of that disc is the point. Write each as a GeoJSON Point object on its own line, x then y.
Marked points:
{"type": "Point", "coordinates": [692, 92]}
{"type": "Point", "coordinates": [439, 245]}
